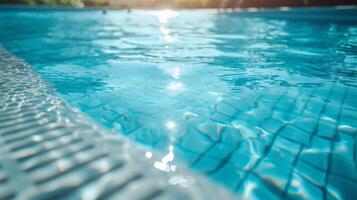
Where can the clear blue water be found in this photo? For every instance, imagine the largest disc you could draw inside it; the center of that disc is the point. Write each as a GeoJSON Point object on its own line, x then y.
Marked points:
{"type": "Point", "coordinates": [264, 103]}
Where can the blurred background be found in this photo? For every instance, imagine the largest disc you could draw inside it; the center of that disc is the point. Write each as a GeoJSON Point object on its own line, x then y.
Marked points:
{"type": "Point", "coordinates": [182, 3]}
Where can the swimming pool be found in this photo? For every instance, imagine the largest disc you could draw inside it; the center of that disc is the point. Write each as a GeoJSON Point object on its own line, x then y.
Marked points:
{"type": "Point", "coordinates": [262, 102]}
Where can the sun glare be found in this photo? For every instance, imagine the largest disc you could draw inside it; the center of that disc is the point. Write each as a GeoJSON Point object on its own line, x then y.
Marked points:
{"type": "Point", "coordinates": [165, 15]}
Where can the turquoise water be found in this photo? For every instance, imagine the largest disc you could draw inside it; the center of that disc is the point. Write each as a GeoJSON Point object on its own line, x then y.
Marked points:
{"type": "Point", "coordinates": [264, 103]}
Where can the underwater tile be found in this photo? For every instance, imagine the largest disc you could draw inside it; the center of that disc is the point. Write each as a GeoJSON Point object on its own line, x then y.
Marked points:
{"type": "Point", "coordinates": [253, 188]}
{"type": "Point", "coordinates": [253, 147]}
{"type": "Point", "coordinates": [331, 111]}
{"type": "Point", "coordinates": [198, 115]}
{"type": "Point", "coordinates": [343, 128]}
{"type": "Point", "coordinates": [275, 169]}
{"type": "Point", "coordinates": [309, 172]}
{"type": "Point", "coordinates": [301, 188]}
{"type": "Point", "coordinates": [300, 104]}
{"type": "Point", "coordinates": [219, 151]}
{"type": "Point", "coordinates": [145, 136]}
{"type": "Point", "coordinates": [241, 105]}
{"type": "Point", "coordinates": [228, 175]}
{"type": "Point", "coordinates": [231, 136]}
{"type": "Point", "coordinates": [129, 127]}
{"type": "Point", "coordinates": [344, 149]}
{"type": "Point", "coordinates": [206, 164]}
{"type": "Point", "coordinates": [348, 119]}
{"type": "Point", "coordinates": [225, 108]}
{"type": "Point", "coordinates": [110, 116]}
{"type": "Point", "coordinates": [326, 129]}
{"type": "Point", "coordinates": [185, 155]}
{"type": "Point", "coordinates": [285, 104]}
{"type": "Point", "coordinates": [341, 188]}
{"type": "Point", "coordinates": [315, 106]}
{"type": "Point", "coordinates": [343, 167]}
{"type": "Point", "coordinates": [323, 144]}
{"type": "Point", "coordinates": [315, 158]}
{"type": "Point", "coordinates": [338, 92]}
{"type": "Point", "coordinates": [221, 118]}
{"type": "Point", "coordinates": [260, 114]}
{"type": "Point", "coordinates": [351, 98]}
{"type": "Point", "coordinates": [105, 97]}
{"type": "Point", "coordinates": [286, 145]}
{"type": "Point", "coordinates": [242, 160]}
{"type": "Point", "coordinates": [271, 97]}
{"type": "Point", "coordinates": [211, 129]}
{"type": "Point", "coordinates": [272, 125]}
{"type": "Point", "coordinates": [306, 122]}
{"type": "Point", "coordinates": [295, 134]}
{"type": "Point", "coordinates": [195, 141]}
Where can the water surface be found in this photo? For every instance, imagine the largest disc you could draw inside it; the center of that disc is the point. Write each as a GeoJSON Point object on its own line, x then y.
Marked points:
{"type": "Point", "coordinates": [264, 103]}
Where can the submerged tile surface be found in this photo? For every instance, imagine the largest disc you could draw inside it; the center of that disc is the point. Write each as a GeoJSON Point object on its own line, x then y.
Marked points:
{"type": "Point", "coordinates": [265, 105]}
{"type": "Point", "coordinates": [49, 151]}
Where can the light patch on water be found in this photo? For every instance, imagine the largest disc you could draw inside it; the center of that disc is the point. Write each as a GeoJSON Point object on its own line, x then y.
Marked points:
{"type": "Point", "coordinates": [175, 86]}
{"type": "Point", "coordinates": [148, 154]}
{"type": "Point", "coordinates": [165, 15]}
{"type": "Point", "coordinates": [170, 124]}
{"type": "Point", "coordinates": [164, 164]}
{"type": "Point", "coordinates": [182, 181]}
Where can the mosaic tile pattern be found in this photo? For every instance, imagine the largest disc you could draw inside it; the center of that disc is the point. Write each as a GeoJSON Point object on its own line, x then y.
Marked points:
{"type": "Point", "coordinates": [267, 107]}
{"type": "Point", "coordinates": [289, 145]}
{"type": "Point", "coordinates": [48, 151]}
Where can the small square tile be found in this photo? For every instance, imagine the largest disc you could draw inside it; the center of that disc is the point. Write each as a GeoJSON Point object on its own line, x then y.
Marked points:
{"type": "Point", "coordinates": [295, 134]}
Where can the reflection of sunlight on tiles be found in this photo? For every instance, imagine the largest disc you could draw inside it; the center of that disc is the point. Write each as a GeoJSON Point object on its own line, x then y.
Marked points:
{"type": "Point", "coordinates": [176, 73]}
{"type": "Point", "coordinates": [183, 181]}
{"type": "Point", "coordinates": [251, 186]}
{"type": "Point", "coordinates": [164, 164]}
{"type": "Point", "coordinates": [218, 95]}
{"type": "Point", "coordinates": [104, 166]}
{"type": "Point", "coordinates": [164, 30]}
{"type": "Point", "coordinates": [170, 124]}
{"type": "Point", "coordinates": [36, 138]}
{"type": "Point", "coordinates": [175, 86]}
{"type": "Point", "coordinates": [148, 155]}
{"type": "Point", "coordinates": [168, 38]}
{"type": "Point", "coordinates": [165, 15]}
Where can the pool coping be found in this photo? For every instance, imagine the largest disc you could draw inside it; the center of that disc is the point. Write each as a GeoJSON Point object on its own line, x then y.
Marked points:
{"type": "Point", "coordinates": [50, 150]}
